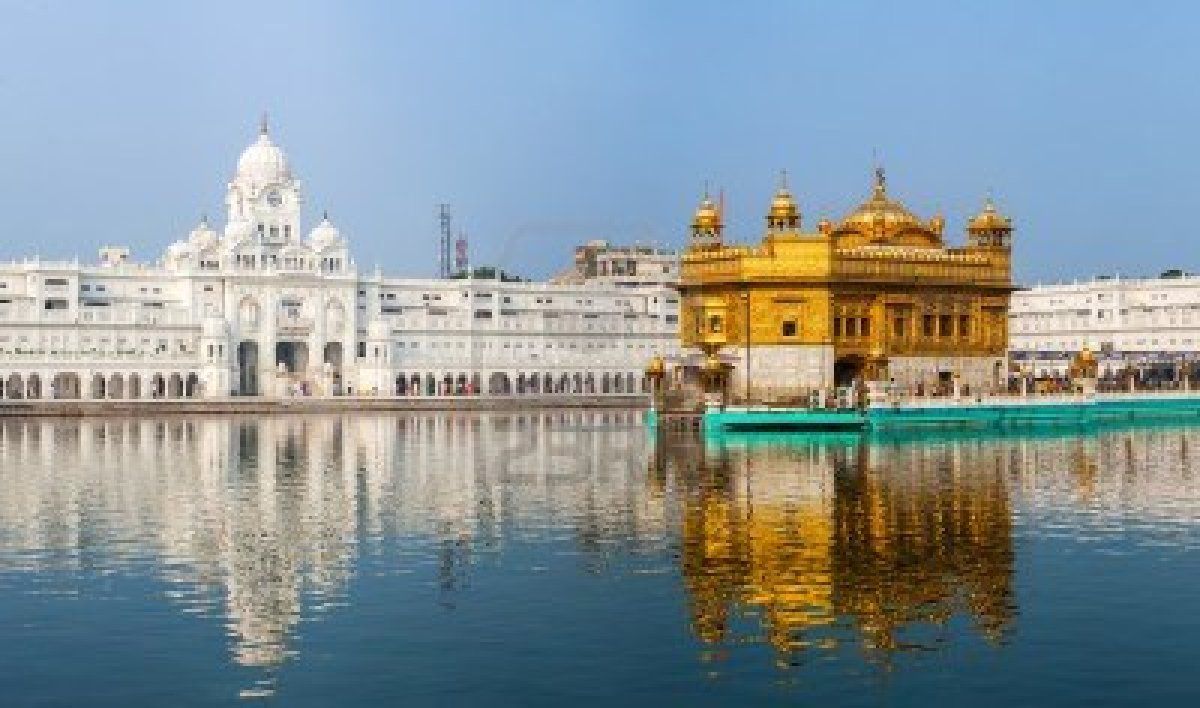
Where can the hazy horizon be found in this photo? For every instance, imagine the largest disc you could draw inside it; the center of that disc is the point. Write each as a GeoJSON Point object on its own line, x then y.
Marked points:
{"type": "Point", "coordinates": [545, 124]}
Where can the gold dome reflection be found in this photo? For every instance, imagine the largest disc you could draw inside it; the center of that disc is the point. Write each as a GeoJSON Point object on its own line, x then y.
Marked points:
{"type": "Point", "coordinates": [818, 544]}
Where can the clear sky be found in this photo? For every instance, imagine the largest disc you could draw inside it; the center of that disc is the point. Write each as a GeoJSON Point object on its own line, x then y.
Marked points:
{"type": "Point", "coordinates": [547, 123]}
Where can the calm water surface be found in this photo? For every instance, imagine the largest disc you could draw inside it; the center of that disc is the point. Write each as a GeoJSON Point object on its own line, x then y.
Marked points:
{"type": "Point", "coordinates": [565, 558]}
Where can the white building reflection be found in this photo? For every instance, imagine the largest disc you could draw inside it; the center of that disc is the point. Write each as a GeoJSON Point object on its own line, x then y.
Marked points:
{"type": "Point", "coordinates": [263, 519]}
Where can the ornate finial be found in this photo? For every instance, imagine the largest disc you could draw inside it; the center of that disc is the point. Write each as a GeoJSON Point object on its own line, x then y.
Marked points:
{"type": "Point", "coordinates": [325, 215]}
{"type": "Point", "coordinates": [706, 196]}
{"type": "Point", "coordinates": [204, 220]}
{"type": "Point", "coordinates": [783, 178]}
{"type": "Point", "coordinates": [880, 179]}
{"type": "Point", "coordinates": [262, 124]}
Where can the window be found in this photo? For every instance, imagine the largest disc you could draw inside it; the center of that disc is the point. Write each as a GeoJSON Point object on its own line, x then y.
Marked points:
{"type": "Point", "coordinates": [789, 328]}
{"type": "Point", "coordinates": [964, 325]}
{"type": "Point", "coordinates": [927, 325]}
{"type": "Point", "coordinates": [851, 326]}
{"type": "Point", "coordinates": [56, 281]}
{"type": "Point", "coordinates": [714, 324]}
{"type": "Point", "coordinates": [898, 327]}
{"type": "Point", "coordinates": [864, 327]}
{"type": "Point", "coordinates": [945, 325]}
{"type": "Point", "coordinates": [837, 326]}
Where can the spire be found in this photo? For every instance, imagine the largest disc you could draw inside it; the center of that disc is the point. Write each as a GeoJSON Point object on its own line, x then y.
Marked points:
{"type": "Point", "coordinates": [325, 215]}
{"type": "Point", "coordinates": [880, 181]}
{"type": "Point", "coordinates": [783, 183]}
{"type": "Point", "coordinates": [262, 124]}
{"type": "Point", "coordinates": [204, 220]}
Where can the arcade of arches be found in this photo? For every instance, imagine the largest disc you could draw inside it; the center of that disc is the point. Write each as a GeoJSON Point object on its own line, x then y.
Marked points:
{"type": "Point", "coordinates": [501, 383]}
{"type": "Point", "coordinates": [24, 385]}
{"type": "Point", "coordinates": [36, 385]}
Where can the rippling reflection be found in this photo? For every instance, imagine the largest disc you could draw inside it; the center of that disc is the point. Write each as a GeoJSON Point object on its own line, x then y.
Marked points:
{"type": "Point", "coordinates": [816, 538]}
{"type": "Point", "coordinates": [832, 546]}
{"type": "Point", "coordinates": [262, 519]}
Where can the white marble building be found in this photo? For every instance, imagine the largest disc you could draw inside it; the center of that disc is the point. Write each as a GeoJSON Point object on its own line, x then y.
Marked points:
{"type": "Point", "coordinates": [1151, 324]}
{"type": "Point", "coordinates": [630, 266]}
{"type": "Point", "coordinates": [259, 308]}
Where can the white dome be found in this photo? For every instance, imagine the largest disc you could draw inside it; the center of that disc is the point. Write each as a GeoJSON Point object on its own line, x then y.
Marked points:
{"type": "Point", "coordinates": [263, 162]}
{"type": "Point", "coordinates": [325, 234]}
{"type": "Point", "coordinates": [203, 237]}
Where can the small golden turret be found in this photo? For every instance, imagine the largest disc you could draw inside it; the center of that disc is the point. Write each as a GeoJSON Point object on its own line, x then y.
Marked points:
{"type": "Point", "coordinates": [657, 367]}
{"type": "Point", "coordinates": [707, 224]}
{"type": "Point", "coordinates": [937, 224]}
{"type": "Point", "coordinates": [784, 213]}
{"type": "Point", "coordinates": [707, 215]}
{"type": "Point", "coordinates": [1084, 365]}
{"type": "Point", "coordinates": [989, 219]}
{"type": "Point", "coordinates": [989, 228]}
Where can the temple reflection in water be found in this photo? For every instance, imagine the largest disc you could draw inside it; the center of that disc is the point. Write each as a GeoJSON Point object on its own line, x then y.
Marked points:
{"type": "Point", "coordinates": [823, 541]}
{"type": "Point", "coordinates": [833, 544]}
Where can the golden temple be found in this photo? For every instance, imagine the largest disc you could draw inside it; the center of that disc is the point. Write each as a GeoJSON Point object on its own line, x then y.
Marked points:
{"type": "Point", "coordinates": [878, 296]}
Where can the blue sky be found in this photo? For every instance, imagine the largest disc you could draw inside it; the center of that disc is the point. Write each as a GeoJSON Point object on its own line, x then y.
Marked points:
{"type": "Point", "coordinates": [547, 123]}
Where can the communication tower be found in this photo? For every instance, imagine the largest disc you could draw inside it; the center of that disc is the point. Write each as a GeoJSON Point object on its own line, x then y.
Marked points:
{"type": "Point", "coordinates": [444, 240]}
{"type": "Point", "coordinates": [460, 253]}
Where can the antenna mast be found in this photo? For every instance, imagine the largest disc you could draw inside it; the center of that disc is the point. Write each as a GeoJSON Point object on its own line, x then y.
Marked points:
{"type": "Point", "coordinates": [444, 240]}
{"type": "Point", "coordinates": [461, 264]}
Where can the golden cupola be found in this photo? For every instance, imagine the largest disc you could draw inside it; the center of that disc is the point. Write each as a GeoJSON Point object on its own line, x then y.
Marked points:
{"type": "Point", "coordinates": [706, 224]}
{"type": "Point", "coordinates": [989, 219]}
{"type": "Point", "coordinates": [883, 220]}
{"type": "Point", "coordinates": [707, 215]}
{"type": "Point", "coordinates": [784, 214]}
{"type": "Point", "coordinates": [989, 228]}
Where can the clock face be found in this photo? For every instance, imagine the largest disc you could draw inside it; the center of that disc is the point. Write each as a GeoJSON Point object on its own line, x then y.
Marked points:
{"type": "Point", "coordinates": [274, 198]}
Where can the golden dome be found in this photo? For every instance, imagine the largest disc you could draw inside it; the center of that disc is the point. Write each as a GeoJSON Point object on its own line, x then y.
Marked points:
{"type": "Point", "coordinates": [713, 364]}
{"type": "Point", "coordinates": [879, 209]}
{"type": "Point", "coordinates": [989, 219]}
{"type": "Point", "coordinates": [783, 206]}
{"type": "Point", "coordinates": [657, 366]}
{"type": "Point", "coordinates": [707, 215]}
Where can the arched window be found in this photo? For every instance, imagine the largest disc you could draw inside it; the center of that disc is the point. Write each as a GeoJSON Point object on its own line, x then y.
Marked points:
{"type": "Point", "coordinates": [789, 328]}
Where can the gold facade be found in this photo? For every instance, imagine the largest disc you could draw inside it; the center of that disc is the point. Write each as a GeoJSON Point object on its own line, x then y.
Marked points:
{"type": "Point", "coordinates": [879, 285]}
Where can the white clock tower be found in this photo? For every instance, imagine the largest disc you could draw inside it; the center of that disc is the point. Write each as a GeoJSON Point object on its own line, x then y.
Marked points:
{"type": "Point", "coordinates": [264, 199]}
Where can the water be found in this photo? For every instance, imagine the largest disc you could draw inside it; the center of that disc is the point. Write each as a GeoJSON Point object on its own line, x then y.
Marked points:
{"type": "Point", "coordinates": [564, 558]}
